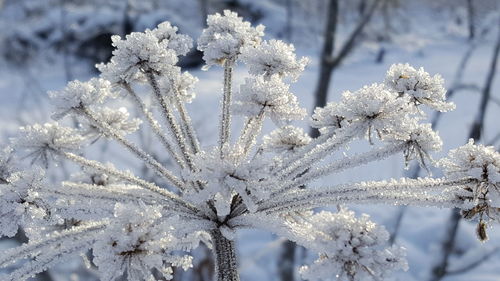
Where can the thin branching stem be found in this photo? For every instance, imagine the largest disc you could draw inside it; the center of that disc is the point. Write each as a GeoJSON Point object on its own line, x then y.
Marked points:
{"type": "Point", "coordinates": [404, 190]}
{"type": "Point", "coordinates": [48, 259]}
{"type": "Point", "coordinates": [186, 123]}
{"type": "Point", "coordinates": [319, 152]}
{"type": "Point", "coordinates": [346, 163]}
{"type": "Point", "coordinates": [153, 123]}
{"type": "Point", "coordinates": [413, 199]}
{"type": "Point", "coordinates": [225, 122]}
{"type": "Point", "coordinates": [141, 154]}
{"type": "Point", "coordinates": [26, 250]}
{"type": "Point", "coordinates": [129, 178]}
{"type": "Point", "coordinates": [300, 152]}
{"type": "Point", "coordinates": [170, 120]}
{"type": "Point", "coordinates": [250, 132]}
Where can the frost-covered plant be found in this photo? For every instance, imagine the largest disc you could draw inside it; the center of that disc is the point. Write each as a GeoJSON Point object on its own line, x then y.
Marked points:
{"type": "Point", "coordinates": [139, 228]}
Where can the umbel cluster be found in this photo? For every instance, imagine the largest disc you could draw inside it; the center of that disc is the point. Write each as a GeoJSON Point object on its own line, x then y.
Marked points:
{"type": "Point", "coordinates": [138, 228]}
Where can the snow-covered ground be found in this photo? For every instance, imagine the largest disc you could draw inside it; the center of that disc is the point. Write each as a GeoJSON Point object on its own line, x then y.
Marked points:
{"type": "Point", "coordinates": [22, 100]}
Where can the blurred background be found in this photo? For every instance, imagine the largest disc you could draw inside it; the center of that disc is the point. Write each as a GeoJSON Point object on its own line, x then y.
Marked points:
{"type": "Point", "coordinates": [351, 43]}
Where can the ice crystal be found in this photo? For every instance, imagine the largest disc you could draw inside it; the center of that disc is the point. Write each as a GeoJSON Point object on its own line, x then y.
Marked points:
{"type": "Point", "coordinates": [382, 111]}
{"type": "Point", "coordinates": [229, 176]}
{"type": "Point", "coordinates": [167, 34]}
{"type": "Point", "coordinates": [137, 227]}
{"type": "Point", "coordinates": [328, 118]}
{"type": "Point", "coordinates": [181, 84]}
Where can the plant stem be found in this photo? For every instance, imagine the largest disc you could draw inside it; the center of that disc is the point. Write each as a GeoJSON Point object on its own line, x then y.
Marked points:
{"type": "Point", "coordinates": [170, 120]}
{"type": "Point", "coordinates": [225, 123]}
{"type": "Point", "coordinates": [226, 267]}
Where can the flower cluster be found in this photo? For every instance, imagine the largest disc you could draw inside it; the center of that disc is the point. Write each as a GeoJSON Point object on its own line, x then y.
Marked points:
{"type": "Point", "coordinates": [19, 202]}
{"type": "Point", "coordinates": [351, 249]}
{"type": "Point", "coordinates": [229, 176]}
{"type": "Point", "coordinates": [117, 119]}
{"type": "Point", "coordinates": [137, 242]}
{"type": "Point", "coordinates": [43, 143]}
{"type": "Point", "coordinates": [181, 84]}
{"type": "Point", "coordinates": [285, 139]}
{"type": "Point", "coordinates": [154, 51]}
{"type": "Point", "coordinates": [419, 85]}
{"type": "Point", "coordinates": [271, 97]}
{"type": "Point", "coordinates": [273, 58]}
{"type": "Point", "coordinates": [225, 36]}
{"type": "Point", "coordinates": [80, 94]}
{"type": "Point", "coordinates": [389, 113]}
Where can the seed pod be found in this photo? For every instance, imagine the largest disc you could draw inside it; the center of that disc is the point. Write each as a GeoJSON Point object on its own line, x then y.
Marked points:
{"type": "Point", "coordinates": [481, 231]}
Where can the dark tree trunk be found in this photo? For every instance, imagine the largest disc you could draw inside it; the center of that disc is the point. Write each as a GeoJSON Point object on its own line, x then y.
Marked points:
{"type": "Point", "coordinates": [204, 11]}
{"type": "Point", "coordinates": [286, 261]}
{"type": "Point", "coordinates": [325, 71]}
{"type": "Point", "coordinates": [329, 61]}
{"type": "Point", "coordinates": [471, 19]}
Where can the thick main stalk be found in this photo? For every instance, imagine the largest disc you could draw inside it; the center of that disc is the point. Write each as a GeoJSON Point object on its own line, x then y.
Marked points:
{"type": "Point", "coordinates": [226, 266]}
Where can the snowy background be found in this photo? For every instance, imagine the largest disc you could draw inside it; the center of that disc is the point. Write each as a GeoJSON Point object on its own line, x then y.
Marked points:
{"type": "Point", "coordinates": [45, 43]}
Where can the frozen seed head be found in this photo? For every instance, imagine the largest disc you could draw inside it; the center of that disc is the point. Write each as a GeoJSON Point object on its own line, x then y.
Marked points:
{"type": "Point", "coordinates": [351, 249]}
{"type": "Point", "coordinates": [267, 96]}
{"type": "Point", "coordinates": [167, 35]}
{"type": "Point", "coordinates": [135, 243]}
{"type": "Point", "coordinates": [481, 164]}
{"type": "Point", "coordinates": [286, 139]}
{"type": "Point", "coordinates": [77, 95]}
{"type": "Point", "coordinates": [421, 141]}
{"type": "Point", "coordinates": [19, 204]}
{"type": "Point", "coordinates": [225, 35]}
{"type": "Point", "coordinates": [273, 57]}
{"type": "Point", "coordinates": [378, 109]}
{"type": "Point", "coordinates": [419, 86]}
{"type": "Point", "coordinates": [137, 54]}
{"type": "Point", "coordinates": [43, 143]}
{"type": "Point", "coordinates": [117, 119]}
{"type": "Point", "coordinates": [328, 118]}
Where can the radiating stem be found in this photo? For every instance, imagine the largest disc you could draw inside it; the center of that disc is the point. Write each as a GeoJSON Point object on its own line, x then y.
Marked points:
{"type": "Point", "coordinates": [319, 152]}
{"type": "Point", "coordinates": [170, 119]}
{"type": "Point", "coordinates": [250, 132]}
{"type": "Point", "coordinates": [186, 121]}
{"type": "Point", "coordinates": [155, 126]}
{"type": "Point", "coordinates": [345, 163]}
{"type": "Point", "coordinates": [225, 123]}
{"type": "Point", "coordinates": [129, 178]}
{"type": "Point", "coordinates": [141, 154]}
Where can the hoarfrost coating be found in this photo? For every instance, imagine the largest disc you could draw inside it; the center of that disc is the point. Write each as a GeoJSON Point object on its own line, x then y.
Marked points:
{"type": "Point", "coordinates": [204, 195]}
